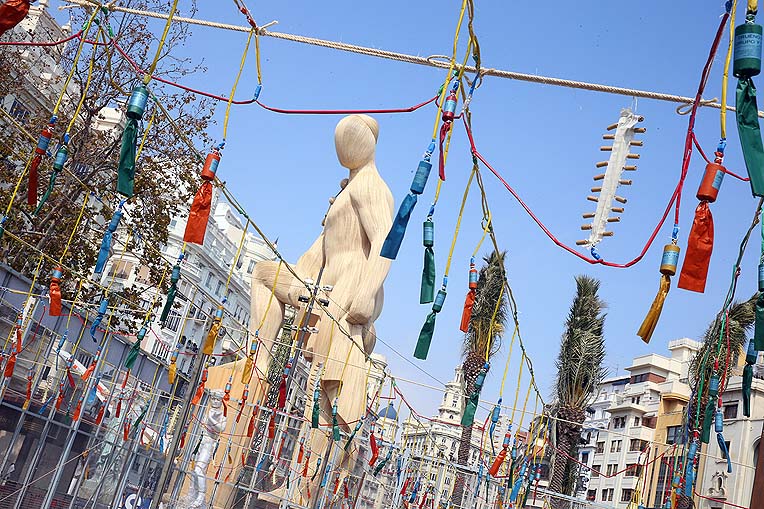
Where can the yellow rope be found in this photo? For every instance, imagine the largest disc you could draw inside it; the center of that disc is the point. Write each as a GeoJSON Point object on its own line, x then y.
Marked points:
{"type": "Point", "coordinates": [525, 404]}
{"type": "Point", "coordinates": [143, 141]}
{"type": "Point", "coordinates": [74, 229]}
{"type": "Point", "coordinates": [81, 45]}
{"type": "Point", "coordinates": [517, 389]}
{"type": "Point", "coordinates": [506, 366]}
{"type": "Point", "coordinates": [236, 81]}
{"type": "Point", "coordinates": [725, 75]}
{"type": "Point", "coordinates": [26, 299]}
{"type": "Point", "coordinates": [71, 309]}
{"type": "Point", "coordinates": [87, 83]}
{"type": "Point", "coordinates": [459, 221]}
{"type": "Point", "coordinates": [153, 66]}
{"type": "Point", "coordinates": [486, 227]}
{"type": "Point", "coordinates": [236, 259]}
{"type": "Point", "coordinates": [493, 319]}
{"type": "Point", "coordinates": [18, 183]}
{"type": "Point", "coordinates": [257, 58]}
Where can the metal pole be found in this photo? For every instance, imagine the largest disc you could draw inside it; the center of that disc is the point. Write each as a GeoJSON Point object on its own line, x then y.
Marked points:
{"type": "Point", "coordinates": [164, 476]}
{"type": "Point", "coordinates": [72, 434]}
{"type": "Point", "coordinates": [190, 440]}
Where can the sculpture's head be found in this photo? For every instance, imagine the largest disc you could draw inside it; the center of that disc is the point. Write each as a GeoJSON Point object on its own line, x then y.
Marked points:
{"type": "Point", "coordinates": [216, 398]}
{"type": "Point", "coordinates": [355, 139]}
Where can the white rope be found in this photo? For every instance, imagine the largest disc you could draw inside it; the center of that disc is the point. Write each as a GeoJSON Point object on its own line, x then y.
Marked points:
{"type": "Point", "coordinates": [438, 61]}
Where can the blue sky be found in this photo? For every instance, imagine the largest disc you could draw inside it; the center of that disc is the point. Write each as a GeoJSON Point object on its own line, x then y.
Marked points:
{"type": "Point", "coordinates": [545, 141]}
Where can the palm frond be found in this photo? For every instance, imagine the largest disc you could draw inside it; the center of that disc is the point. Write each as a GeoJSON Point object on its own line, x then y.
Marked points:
{"type": "Point", "coordinates": [488, 322]}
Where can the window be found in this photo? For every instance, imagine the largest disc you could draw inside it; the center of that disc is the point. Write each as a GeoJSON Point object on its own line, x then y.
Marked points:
{"type": "Point", "coordinates": [674, 435]}
{"type": "Point", "coordinates": [600, 447]}
{"type": "Point", "coordinates": [19, 111]}
{"type": "Point", "coordinates": [585, 458]}
{"type": "Point", "coordinates": [173, 320]}
{"type": "Point", "coordinates": [635, 379]}
{"type": "Point", "coordinates": [596, 470]}
{"type": "Point", "coordinates": [208, 282]}
{"type": "Point", "coordinates": [591, 495]}
{"type": "Point", "coordinates": [730, 410]}
{"type": "Point", "coordinates": [251, 266]}
{"type": "Point", "coordinates": [637, 422]}
{"type": "Point", "coordinates": [619, 422]}
{"type": "Point", "coordinates": [120, 269]}
{"type": "Point", "coordinates": [727, 443]}
{"type": "Point", "coordinates": [626, 495]}
{"type": "Point", "coordinates": [612, 469]}
{"type": "Point", "coordinates": [636, 445]}
{"type": "Point", "coordinates": [607, 495]}
{"type": "Point", "coordinates": [634, 470]}
{"type": "Point", "coordinates": [635, 400]}
{"type": "Point", "coordinates": [219, 289]}
{"type": "Point", "coordinates": [615, 445]}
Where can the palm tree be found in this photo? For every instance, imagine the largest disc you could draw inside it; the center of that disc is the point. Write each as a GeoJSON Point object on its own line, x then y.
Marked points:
{"type": "Point", "coordinates": [486, 325]}
{"type": "Point", "coordinates": [580, 371]}
{"type": "Point", "coordinates": [723, 341]}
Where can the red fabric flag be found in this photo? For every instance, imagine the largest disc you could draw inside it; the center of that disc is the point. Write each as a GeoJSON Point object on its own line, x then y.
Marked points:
{"type": "Point", "coordinates": [10, 365]}
{"type": "Point", "coordinates": [99, 418]}
{"type": "Point", "coordinates": [272, 425]}
{"type": "Point", "coordinates": [89, 371]}
{"type": "Point", "coordinates": [700, 244]}
{"type": "Point", "coordinates": [282, 394]}
{"type": "Point", "coordinates": [199, 393]}
{"type": "Point", "coordinates": [469, 302]}
{"type": "Point", "coordinates": [196, 226]}
{"type": "Point", "coordinates": [251, 426]}
{"type": "Point", "coordinates": [55, 297]}
{"type": "Point", "coordinates": [11, 14]}
{"type": "Point", "coordinates": [497, 462]}
{"type": "Point", "coordinates": [77, 411]}
{"type": "Point", "coordinates": [374, 450]}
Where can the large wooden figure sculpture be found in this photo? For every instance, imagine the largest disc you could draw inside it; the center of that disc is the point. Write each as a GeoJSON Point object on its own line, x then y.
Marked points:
{"type": "Point", "coordinates": [348, 249]}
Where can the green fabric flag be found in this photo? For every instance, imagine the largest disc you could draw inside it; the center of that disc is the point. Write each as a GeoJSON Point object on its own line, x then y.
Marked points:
{"type": "Point", "coordinates": [126, 168]}
{"type": "Point", "coordinates": [174, 278]}
{"type": "Point", "coordinates": [48, 191]}
{"type": "Point", "coordinates": [335, 427]}
{"type": "Point", "coordinates": [708, 419]}
{"type": "Point", "coordinates": [747, 381]}
{"type": "Point", "coordinates": [352, 435]}
{"type": "Point", "coordinates": [750, 134]}
{"type": "Point", "coordinates": [758, 331]}
{"type": "Point", "coordinates": [382, 463]}
{"type": "Point", "coordinates": [425, 337]}
{"type": "Point", "coordinates": [427, 292]}
{"type": "Point", "coordinates": [139, 420]}
{"type": "Point", "coordinates": [468, 417]}
{"type": "Point", "coordinates": [132, 354]}
{"type": "Point", "coordinates": [315, 414]}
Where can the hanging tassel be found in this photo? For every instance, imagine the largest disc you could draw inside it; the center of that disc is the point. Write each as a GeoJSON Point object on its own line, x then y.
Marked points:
{"type": "Point", "coordinates": [251, 425]}
{"type": "Point", "coordinates": [301, 451]}
{"type": "Point", "coordinates": [384, 461]}
{"type": "Point", "coordinates": [136, 106]}
{"type": "Point", "coordinates": [88, 372]}
{"type": "Point", "coordinates": [77, 410]}
{"type": "Point", "coordinates": [212, 335]}
{"type": "Point", "coordinates": [200, 389]}
{"type": "Point", "coordinates": [54, 292]}
{"type": "Point", "coordinates": [28, 399]}
{"type": "Point", "coordinates": [700, 243]}
{"type": "Point", "coordinates": [394, 238]}
{"type": "Point", "coordinates": [242, 402]}
{"type": "Point", "coordinates": [427, 290]}
{"type": "Point", "coordinates": [11, 14]}
{"type": "Point", "coordinates": [315, 473]}
{"type": "Point", "coordinates": [428, 329]}
{"type": "Point", "coordinates": [518, 484]}
{"type": "Point", "coordinates": [18, 330]}
{"type": "Point", "coordinates": [374, 449]}
{"type": "Point", "coordinates": [196, 226]}
{"type": "Point", "coordinates": [172, 369]}
{"type": "Point", "coordinates": [449, 113]}
{"type": "Point", "coordinates": [99, 417]}
{"type": "Point", "coordinates": [335, 427]}
{"type": "Point", "coordinates": [358, 426]}
{"type": "Point", "coordinates": [126, 431]}
{"type": "Point", "coordinates": [69, 376]}
{"type": "Point", "coordinates": [105, 249]}
{"type": "Point", "coordinates": [174, 278]}
{"type": "Point", "coordinates": [669, 262]}
{"type": "Point", "coordinates": [227, 396]}
{"type": "Point", "coordinates": [282, 387]}
{"type": "Point", "coordinates": [316, 407]}
{"type": "Point", "coordinates": [135, 348]}
{"type": "Point", "coordinates": [713, 393]}
{"type": "Point", "coordinates": [102, 309]}
{"type": "Point", "coordinates": [758, 331]}
{"type": "Point", "coordinates": [121, 394]}
{"type": "Point", "coordinates": [689, 474]}
{"type": "Point", "coordinates": [469, 300]}
{"type": "Point", "coordinates": [10, 365]}
{"type": "Point", "coordinates": [43, 142]}
{"type": "Point", "coordinates": [60, 397]}
{"type": "Point", "coordinates": [719, 429]}
{"type": "Point", "coordinates": [62, 154]}
{"type": "Point", "coordinates": [495, 414]}
{"type": "Point", "coordinates": [272, 425]}
{"type": "Point", "coordinates": [468, 417]}
{"type": "Point", "coordinates": [307, 464]}
{"type": "Point", "coordinates": [182, 440]}
{"type": "Point", "coordinates": [249, 364]}
{"type": "Point", "coordinates": [45, 405]}
{"type": "Point", "coordinates": [750, 360]}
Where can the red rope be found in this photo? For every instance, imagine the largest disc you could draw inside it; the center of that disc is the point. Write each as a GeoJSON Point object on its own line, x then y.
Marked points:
{"type": "Point", "coordinates": [705, 158]}
{"type": "Point", "coordinates": [40, 43]}
{"type": "Point", "coordinates": [720, 501]}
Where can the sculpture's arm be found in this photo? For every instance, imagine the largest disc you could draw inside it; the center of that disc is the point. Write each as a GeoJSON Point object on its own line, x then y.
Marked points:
{"type": "Point", "coordinates": [375, 213]}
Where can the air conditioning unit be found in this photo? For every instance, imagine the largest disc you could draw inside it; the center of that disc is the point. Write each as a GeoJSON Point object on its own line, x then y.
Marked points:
{"type": "Point", "coordinates": [227, 345]}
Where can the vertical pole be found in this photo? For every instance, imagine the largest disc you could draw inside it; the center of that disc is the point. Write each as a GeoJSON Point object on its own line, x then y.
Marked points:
{"type": "Point", "coordinates": [164, 475]}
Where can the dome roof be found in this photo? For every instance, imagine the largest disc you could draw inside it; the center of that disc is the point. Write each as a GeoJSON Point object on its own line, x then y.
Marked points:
{"type": "Point", "coordinates": [389, 413]}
